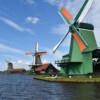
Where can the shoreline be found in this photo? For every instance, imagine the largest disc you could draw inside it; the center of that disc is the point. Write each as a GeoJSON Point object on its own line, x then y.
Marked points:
{"type": "Point", "coordinates": [74, 80]}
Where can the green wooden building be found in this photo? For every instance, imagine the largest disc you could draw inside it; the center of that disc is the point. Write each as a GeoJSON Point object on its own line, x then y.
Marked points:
{"type": "Point", "coordinates": [77, 62]}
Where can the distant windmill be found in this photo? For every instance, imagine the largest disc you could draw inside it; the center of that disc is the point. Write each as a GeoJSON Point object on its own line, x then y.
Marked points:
{"type": "Point", "coordinates": [36, 55]}
{"type": "Point", "coordinates": [10, 65]}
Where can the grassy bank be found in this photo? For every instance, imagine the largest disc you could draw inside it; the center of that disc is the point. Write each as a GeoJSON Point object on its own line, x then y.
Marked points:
{"type": "Point", "coordinates": [62, 78]}
{"type": "Point", "coordinates": [8, 72]}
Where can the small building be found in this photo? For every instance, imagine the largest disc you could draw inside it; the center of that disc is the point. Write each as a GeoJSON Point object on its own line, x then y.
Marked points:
{"type": "Point", "coordinates": [46, 69]}
{"type": "Point", "coordinates": [19, 70]}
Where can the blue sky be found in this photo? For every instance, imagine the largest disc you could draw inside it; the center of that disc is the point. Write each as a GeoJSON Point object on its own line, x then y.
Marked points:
{"type": "Point", "coordinates": [25, 22]}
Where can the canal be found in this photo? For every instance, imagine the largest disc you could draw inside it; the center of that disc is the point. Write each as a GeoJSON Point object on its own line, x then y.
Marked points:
{"type": "Point", "coordinates": [24, 87]}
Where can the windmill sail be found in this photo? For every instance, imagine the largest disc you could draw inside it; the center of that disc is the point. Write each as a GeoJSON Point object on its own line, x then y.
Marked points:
{"type": "Point", "coordinates": [36, 48]}
{"type": "Point", "coordinates": [79, 36]}
{"type": "Point", "coordinates": [27, 53]}
{"type": "Point", "coordinates": [73, 27]}
{"type": "Point", "coordinates": [84, 10]}
{"type": "Point", "coordinates": [41, 53]}
{"type": "Point", "coordinates": [80, 43]}
{"type": "Point", "coordinates": [68, 16]}
{"type": "Point", "coordinates": [66, 13]}
{"type": "Point", "coordinates": [55, 48]}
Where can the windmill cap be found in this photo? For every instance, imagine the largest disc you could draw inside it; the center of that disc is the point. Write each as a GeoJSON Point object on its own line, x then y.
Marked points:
{"type": "Point", "coordinates": [86, 26]}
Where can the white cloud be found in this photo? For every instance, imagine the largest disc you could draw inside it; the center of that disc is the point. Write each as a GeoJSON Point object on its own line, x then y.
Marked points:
{"type": "Point", "coordinates": [9, 56]}
{"type": "Point", "coordinates": [31, 2]}
{"type": "Point", "coordinates": [12, 24]}
{"type": "Point", "coordinates": [69, 4]}
{"type": "Point", "coordinates": [57, 55]}
{"type": "Point", "coordinates": [19, 61]}
{"type": "Point", "coordinates": [16, 26]}
{"type": "Point", "coordinates": [53, 57]}
{"type": "Point", "coordinates": [32, 20]}
{"type": "Point", "coordinates": [4, 48]}
{"type": "Point", "coordinates": [58, 3]}
{"type": "Point", "coordinates": [60, 29]}
{"type": "Point", "coordinates": [16, 64]}
{"type": "Point", "coordinates": [3, 66]}
{"type": "Point", "coordinates": [66, 42]}
{"type": "Point", "coordinates": [45, 61]}
{"type": "Point", "coordinates": [22, 64]}
{"type": "Point", "coordinates": [94, 18]}
{"type": "Point", "coordinates": [52, 2]}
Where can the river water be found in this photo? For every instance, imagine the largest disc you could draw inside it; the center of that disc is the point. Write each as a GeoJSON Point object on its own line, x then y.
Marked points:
{"type": "Point", "coordinates": [24, 87]}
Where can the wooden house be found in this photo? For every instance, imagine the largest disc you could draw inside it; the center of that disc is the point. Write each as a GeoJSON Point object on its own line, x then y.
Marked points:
{"type": "Point", "coordinates": [46, 69]}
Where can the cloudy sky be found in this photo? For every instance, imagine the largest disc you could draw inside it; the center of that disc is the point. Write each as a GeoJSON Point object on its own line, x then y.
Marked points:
{"type": "Point", "coordinates": [25, 22]}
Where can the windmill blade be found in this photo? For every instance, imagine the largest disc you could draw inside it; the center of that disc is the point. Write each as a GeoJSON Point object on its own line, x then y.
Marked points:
{"type": "Point", "coordinates": [80, 37]}
{"type": "Point", "coordinates": [10, 60]}
{"type": "Point", "coordinates": [84, 10]}
{"type": "Point", "coordinates": [55, 48]}
{"type": "Point", "coordinates": [36, 48]}
{"type": "Point", "coordinates": [80, 43]}
{"type": "Point", "coordinates": [65, 15]}
{"type": "Point", "coordinates": [42, 53]}
{"type": "Point", "coordinates": [34, 60]}
{"type": "Point", "coordinates": [27, 53]}
{"type": "Point", "coordinates": [6, 61]}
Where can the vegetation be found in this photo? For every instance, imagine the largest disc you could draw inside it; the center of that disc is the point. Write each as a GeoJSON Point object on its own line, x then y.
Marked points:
{"type": "Point", "coordinates": [28, 72]}
{"type": "Point", "coordinates": [63, 78]}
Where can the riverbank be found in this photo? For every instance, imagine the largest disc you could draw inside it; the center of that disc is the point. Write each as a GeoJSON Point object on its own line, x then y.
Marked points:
{"type": "Point", "coordinates": [8, 72]}
{"type": "Point", "coordinates": [65, 79]}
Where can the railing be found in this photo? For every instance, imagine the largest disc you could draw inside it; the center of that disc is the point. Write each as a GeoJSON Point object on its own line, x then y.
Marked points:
{"type": "Point", "coordinates": [60, 61]}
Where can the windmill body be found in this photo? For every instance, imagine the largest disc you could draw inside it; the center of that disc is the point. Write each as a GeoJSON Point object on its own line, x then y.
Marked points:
{"type": "Point", "coordinates": [10, 65]}
{"type": "Point", "coordinates": [79, 61]}
{"type": "Point", "coordinates": [37, 60]}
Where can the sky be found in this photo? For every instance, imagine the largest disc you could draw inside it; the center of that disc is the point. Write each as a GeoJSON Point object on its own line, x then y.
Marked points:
{"type": "Point", "coordinates": [25, 22]}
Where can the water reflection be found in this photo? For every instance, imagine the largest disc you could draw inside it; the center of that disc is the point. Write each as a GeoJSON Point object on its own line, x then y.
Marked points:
{"type": "Point", "coordinates": [80, 91]}
{"type": "Point", "coordinates": [24, 87]}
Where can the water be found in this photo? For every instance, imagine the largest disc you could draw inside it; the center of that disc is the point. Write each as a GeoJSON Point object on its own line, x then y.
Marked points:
{"type": "Point", "coordinates": [24, 87]}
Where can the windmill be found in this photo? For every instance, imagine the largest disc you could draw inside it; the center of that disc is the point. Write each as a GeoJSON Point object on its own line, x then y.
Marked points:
{"type": "Point", "coordinates": [37, 57]}
{"type": "Point", "coordinates": [79, 59]}
{"type": "Point", "coordinates": [10, 65]}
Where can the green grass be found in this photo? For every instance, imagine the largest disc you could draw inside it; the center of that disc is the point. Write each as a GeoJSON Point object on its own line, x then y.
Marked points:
{"type": "Point", "coordinates": [8, 72]}
{"type": "Point", "coordinates": [62, 78]}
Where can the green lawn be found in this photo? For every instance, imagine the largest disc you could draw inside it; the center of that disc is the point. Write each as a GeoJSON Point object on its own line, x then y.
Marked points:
{"type": "Point", "coordinates": [62, 78]}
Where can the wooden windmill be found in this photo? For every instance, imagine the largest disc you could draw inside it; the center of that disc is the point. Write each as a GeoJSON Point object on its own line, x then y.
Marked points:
{"type": "Point", "coordinates": [83, 43]}
{"type": "Point", "coordinates": [10, 65]}
{"type": "Point", "coordinates": [37, 57]}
